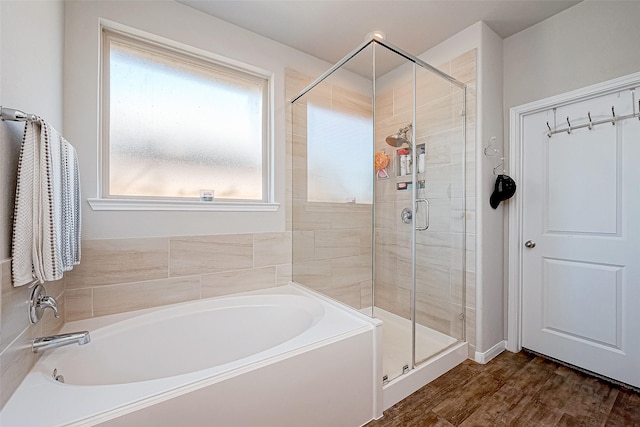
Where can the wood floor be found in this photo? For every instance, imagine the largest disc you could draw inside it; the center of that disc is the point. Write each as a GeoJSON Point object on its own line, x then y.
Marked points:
{"type": "Point", "coordinates": [515, 390]}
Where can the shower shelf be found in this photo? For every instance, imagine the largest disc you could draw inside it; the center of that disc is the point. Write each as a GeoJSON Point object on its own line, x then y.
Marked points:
{"type": "Point", "coordinates": [397, 160]}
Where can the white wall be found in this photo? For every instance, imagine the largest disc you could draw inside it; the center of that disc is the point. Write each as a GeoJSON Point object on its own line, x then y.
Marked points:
{"type": "Point", "coordinates": [31, 52]}
{"type": "Point", "coordinates": [490, 222]}
{"type": "Point", "coordinates": [182, 24]}
{"type": "Point", "coordinates": [588, 43]}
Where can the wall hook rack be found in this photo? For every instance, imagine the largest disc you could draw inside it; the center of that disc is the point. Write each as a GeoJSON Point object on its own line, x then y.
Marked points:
{"type": "Point", "coordinates": [591, 123]}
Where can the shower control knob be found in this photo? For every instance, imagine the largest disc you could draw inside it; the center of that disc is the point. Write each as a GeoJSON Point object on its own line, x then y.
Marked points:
{"type": "Point", "coordinates": [406, 216]}
{"type": "Point", "coordinates": [530, 244]}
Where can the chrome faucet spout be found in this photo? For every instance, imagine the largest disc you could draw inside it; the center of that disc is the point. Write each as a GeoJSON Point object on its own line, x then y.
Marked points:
{"type": "Point", "coordinates": [53, 341]}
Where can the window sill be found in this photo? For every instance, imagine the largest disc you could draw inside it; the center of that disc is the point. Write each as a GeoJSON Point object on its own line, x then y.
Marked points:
{"type": "Point", "coordinates": [180, 205]}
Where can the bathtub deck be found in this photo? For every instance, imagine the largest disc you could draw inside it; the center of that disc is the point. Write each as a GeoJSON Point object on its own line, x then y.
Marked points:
{"type": "Point", "coordinates": [331, 364]}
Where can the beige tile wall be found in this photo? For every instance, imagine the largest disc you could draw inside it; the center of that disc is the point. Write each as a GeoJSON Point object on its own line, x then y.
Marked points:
{"type": "Point", "coordinates": [118, 275]}
{"type": "Point", "coordinates": [16, 333]}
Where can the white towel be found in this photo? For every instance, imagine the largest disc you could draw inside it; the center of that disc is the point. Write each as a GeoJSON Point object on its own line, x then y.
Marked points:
{"type": "Point", "coordinates": [46, 228]}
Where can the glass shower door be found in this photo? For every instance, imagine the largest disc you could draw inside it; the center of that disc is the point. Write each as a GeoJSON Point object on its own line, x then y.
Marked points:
{"type": "Point", "coordinates": [419, 235]}
{"type": "Point", "coordinates": [440, 234]}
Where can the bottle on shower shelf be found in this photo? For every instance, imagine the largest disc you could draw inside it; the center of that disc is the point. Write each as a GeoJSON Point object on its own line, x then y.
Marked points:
{"type": "Point", "coordinates": [403, 155]}
{"type": "Point", "coordinates": [421, 160]}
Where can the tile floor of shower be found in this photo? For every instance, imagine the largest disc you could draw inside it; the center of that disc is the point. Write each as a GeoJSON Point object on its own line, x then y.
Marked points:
{"type": "Point", "coordinates": [397, 342]}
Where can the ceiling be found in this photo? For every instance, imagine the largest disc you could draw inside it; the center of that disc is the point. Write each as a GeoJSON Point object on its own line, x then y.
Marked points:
{"type": "Point", "coordinates": [329, 29]}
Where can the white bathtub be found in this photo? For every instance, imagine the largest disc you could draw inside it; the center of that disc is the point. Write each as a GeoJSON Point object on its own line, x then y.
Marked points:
{"type": "Point", "coordinates": [277, 357]}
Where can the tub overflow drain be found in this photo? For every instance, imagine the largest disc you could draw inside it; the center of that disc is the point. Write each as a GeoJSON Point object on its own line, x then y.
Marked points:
{"type": "Point", "coordinates": [57, 377]}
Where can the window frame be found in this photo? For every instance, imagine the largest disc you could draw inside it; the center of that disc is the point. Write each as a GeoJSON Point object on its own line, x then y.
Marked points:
{"type": "Point", "coordinates": [168, 48]}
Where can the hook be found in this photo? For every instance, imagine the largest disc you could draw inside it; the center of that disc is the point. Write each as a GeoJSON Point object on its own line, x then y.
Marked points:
{"type": "Point", "coordinates": [494, 151]}
{"type": "Point", "coordinates": [549, 133]}
{"type": "Point", "coordinates": [590, 121]}
{"type": "Point", "coordinates": [501, 164]}
{"type": "Point", "coordinates": [613, 113]}
{"type": "Point", "coordinates": [569, 123]}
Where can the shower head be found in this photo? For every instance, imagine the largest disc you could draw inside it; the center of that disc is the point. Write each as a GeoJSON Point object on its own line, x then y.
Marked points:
{"type": "Point", "coordinates": [397, 140]}
{"type": "Point", "coordinates": [402, 137]}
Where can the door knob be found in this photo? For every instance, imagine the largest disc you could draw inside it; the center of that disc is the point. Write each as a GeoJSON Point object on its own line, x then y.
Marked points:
{"type": "Point", "coordinates": [530, 244]}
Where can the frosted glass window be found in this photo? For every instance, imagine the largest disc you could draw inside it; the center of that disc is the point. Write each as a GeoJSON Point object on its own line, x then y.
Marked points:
{"type": "Point", "coordinates": [339, 156]}
{"type": "Point", "coordinates": [178, 124]}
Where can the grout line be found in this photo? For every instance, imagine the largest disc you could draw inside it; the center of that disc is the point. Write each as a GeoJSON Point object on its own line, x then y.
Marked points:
{"type": "Point", "coordinates": [92, 304]}
{"type": "Point", "coordinates": [168, 257]}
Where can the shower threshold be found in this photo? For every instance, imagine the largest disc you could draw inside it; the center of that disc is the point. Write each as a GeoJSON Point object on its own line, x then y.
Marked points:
{"type": "Point", "coordinates": [436, 353]}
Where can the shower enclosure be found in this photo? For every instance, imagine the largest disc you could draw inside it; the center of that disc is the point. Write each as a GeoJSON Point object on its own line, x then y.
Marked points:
{"type": "Point", "coordinates": [377, 171]}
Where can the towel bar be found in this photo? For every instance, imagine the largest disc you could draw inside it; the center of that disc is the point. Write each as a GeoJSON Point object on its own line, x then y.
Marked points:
{"type": "Point", "coordinates": [16, 115]}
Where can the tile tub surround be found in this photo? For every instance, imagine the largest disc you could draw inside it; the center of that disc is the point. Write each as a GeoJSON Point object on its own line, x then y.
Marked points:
{"type": "Point", "coordinates": [119, 275]}
{"type": "Point", "coordinates": [16, 333]}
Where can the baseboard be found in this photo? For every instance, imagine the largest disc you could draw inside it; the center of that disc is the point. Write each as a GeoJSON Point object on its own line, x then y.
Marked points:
{"type": "Point", "coordinates": [491, 353]}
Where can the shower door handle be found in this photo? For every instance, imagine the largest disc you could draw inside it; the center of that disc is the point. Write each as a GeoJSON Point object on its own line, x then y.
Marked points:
{"type": "Point", "coordinates": [426, 203]}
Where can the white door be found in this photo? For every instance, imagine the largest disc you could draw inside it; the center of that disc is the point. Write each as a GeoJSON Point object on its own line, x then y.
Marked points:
{"type": "Point", "coordinates": [581, 222]}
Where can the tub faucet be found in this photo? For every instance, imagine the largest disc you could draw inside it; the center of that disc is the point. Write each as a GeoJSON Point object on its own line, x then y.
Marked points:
{"type": "Point", "coordinates": [40, 301]}
{"type": "Point", "coordinates": [48, 302]}
{"type": "Point", "coordinates": [53, 341]}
